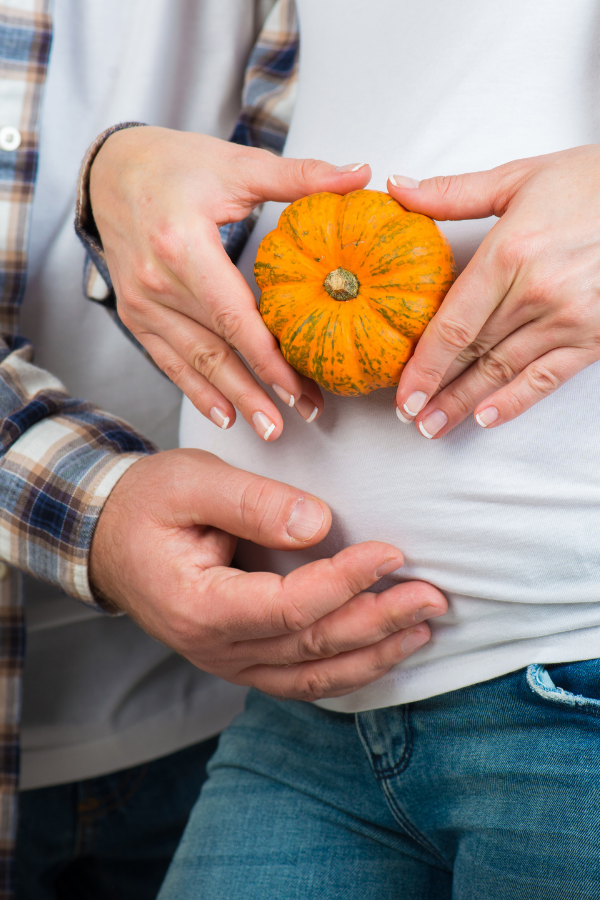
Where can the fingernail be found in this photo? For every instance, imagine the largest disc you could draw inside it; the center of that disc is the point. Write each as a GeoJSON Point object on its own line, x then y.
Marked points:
{"type": "Point", "coordinates": [402, 418]}
{"type": "Point", "coordinates": [305, 521]}
{"type": "Point", "coordinates": [307, 408]}
{"type": "Point", "coordinates": [219, 417]}
{"type": "Point", "coordinates": [403, 182]}
{"type": "Point", "coordinates": [388, 565]}
{"type": "Point", "coordinates": [487, 416]}
{"type": "Point", "coordinates": [283, 394]}
{"type": "Point", "coordinates": [414, 640]}
{"type": "Point", "coordinates": [415, 403]}
{"type": "Point", "coordinates": [426, 612]}
{"type": "Point", "coordinates": [351, 167]}
{"type": "Point", "coordinates": [430, 426]}
{"type": "Point", "coordinates": [263, 425]}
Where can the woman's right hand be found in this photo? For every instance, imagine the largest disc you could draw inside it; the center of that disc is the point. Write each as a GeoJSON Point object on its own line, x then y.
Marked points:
{"type": "Point", "coordinates": [158, 198]}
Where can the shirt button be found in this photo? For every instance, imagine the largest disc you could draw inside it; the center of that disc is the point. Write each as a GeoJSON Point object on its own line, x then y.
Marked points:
{"type": "Point", "coordinates": [3, 571]}
{"type": "Point", "coordinates": [10, 138]}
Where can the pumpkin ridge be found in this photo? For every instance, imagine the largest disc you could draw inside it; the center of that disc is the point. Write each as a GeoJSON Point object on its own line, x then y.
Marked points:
{"type": "Point", "coordinates": [402, 265]}
{"type": "Point", "coordinates": [277, 247]}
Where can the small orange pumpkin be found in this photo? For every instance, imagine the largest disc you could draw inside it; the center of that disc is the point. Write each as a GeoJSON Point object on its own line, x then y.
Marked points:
{"type": "Point", "coordinates": [348, 285]}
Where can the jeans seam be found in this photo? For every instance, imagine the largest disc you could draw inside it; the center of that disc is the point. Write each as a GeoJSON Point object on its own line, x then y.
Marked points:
{"type": "Point", "coordinates": [411, 829]}
{"type": "Point", "coordinates": [557, 695]}
{"type": "Point", "coordinates": [383, 776]}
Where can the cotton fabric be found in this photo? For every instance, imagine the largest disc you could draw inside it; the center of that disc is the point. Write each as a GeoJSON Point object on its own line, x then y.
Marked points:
{"type": "Point", "coordinates": [503, 521]}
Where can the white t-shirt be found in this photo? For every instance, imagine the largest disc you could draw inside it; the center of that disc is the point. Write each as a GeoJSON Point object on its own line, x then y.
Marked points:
{"type": "Point", "coordinates": [99, 694]}
{"type": "Point", "coordinates": [506, 521]}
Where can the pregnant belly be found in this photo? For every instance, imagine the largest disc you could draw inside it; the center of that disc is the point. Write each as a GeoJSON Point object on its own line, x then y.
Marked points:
{"type": "Point", "coordinates": [508, 515]}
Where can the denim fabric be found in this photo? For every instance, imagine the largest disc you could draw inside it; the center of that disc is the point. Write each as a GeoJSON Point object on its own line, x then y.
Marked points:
{"type": "Point", "coordinates": [491, 792]}
{"type": "Point", "coordinates": [107, 838]}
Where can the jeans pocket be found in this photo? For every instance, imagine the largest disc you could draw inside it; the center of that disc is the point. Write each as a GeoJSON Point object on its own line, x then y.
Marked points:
{"type": "Point", "coordinates": [541, 683]}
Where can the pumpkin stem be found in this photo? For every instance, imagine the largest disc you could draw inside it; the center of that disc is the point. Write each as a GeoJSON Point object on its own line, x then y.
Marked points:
{"type": "Point", "coordinates": [341, 285]}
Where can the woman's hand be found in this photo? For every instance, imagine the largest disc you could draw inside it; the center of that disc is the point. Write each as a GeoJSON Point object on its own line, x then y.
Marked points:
{"type": "Point", "coordinates": [159, 197]}
{"type": "Point", "coordinates": [524, 315]}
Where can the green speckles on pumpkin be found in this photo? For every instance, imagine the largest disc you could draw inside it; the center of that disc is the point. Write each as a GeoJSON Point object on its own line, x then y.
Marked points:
{"type": "Point", "coordinates": [392, 265]}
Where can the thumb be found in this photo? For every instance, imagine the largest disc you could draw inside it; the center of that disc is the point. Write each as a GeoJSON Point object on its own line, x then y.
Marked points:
{"type": "Point", "coordinates": [198, 488]}
{"type": "Point", "coordinates": [474, 195]}
{"type": "Point", "coordinates": [284, 180]}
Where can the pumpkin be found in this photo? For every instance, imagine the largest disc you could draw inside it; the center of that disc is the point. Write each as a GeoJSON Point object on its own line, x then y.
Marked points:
{"type": "Point", "coordinates": [349, 284]}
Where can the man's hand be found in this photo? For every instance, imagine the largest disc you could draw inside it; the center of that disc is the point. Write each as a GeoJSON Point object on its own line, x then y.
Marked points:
{"type": "Point", "coordinates": [161, 551]}
{"type": "Point", "coordinates": [524, 316]}
{"type": "Point", "coordinates": [158, 198]}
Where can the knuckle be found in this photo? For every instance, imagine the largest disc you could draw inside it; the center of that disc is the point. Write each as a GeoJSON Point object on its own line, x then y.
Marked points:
{"type": "Point", "coordinates": [346, 581]}
{"type": "Point", "coordinates": [473, 352]}
{"type": "Point", "coordinates": [260, 367]}
{"type": "Point", "coordinates": [518, 249]}
{"type": "Point", "coordinates": [292, 617]}
{"type": "Point", "coordinates": [313, 685]}
{"type": "Point", "coordinates": [579, 315]}
{"type": "Point", "coordinates": [245, 399]}
{"type": "Point", "coordinates": [261, 506]}
{"type": "Point", "coordinates": [512, 404]}
{"type": "Point", "coordinates": [175, 370]}
{"type": "Point", "coordinates": [427, 373]}
{"type": "Point", "coordinates": [307, 168]}
{"type": "Point", "coordinates": [454, 335]}
{"type": "Point", "coordinates": [540, 294]}
{"type": "Point", "coordinates": [449, 187]}
{"type": "Point", "coordinates": [209, 361]}
{"type": "Point", "coordinates": [313, 643]}
{"type": "Point", "coordinates": [131, 304]}
{"type": "Point", "coordinates": [462, 402]}
{"type": "Point", "coordinates": [496, 369]}
{"type": "Point", "coordinates": [542, 379]}
{"type": "Point", "coordinates": [227, 323]}
{"type": "Point", "coordinates": [166, 242]}
{"type": "Point", "coordinates": [150, 279]}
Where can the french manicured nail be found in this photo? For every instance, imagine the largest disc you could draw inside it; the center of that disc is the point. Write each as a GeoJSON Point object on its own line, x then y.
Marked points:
{"type": "Point", "coordinates": [403, 182]}
{"type": "Point", "coordinates": [403, 418]}
{"type": "Point", "coordinates": [283, 394]}
{"type": "Point", "coordinates": [389, 565]}
{"type": "Point", "coordinates": [426, 612]}
{"type": "Point", "coordinates": [305, 521]}
{"type": "Point", "coordinates": [487, 416]}
{"type": "Point", "coordinates": [415, 403]}
{"type": "Point", "coordinates": [351, 167]}
{"type": "Point", "coordinates": [307, 408]}
{"type": "Point", "coordinates": [219, 417]}
{"type": "Point", "coordinates": [414, 640]}
{"type": "Point", "coordinates": [430, 426]}
{"type": "Point", "coordinates": [263, 425]}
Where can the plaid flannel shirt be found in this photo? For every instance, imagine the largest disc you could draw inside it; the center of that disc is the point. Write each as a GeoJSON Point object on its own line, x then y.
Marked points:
{"type": "Point", "coordinates": [59, 456]}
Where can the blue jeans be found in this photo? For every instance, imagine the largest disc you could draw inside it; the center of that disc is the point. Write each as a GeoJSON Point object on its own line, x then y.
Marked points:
{"type": "Point", "coordinates": [491, 792]}
{"type": "Point", "coordinates": [108, 838]}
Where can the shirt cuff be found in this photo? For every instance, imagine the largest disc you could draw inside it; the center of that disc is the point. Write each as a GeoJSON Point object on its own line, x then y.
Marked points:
{"type": "Point", "coordinates": [59, 460]}
{"type": "Point", "coordinates": [85, 225]}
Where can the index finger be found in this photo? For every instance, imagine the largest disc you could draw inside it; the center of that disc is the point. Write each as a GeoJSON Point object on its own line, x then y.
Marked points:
{"type": "Point", "coordinates": [223, 301]}
{"type": "Point", "coordinates": [261, 604]}
{"type": "Point", "coordinates": [467, 306]}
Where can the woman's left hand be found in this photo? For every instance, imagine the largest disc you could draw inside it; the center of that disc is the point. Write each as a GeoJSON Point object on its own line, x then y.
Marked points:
{"type": "Point", "coordinates": [524, 315]}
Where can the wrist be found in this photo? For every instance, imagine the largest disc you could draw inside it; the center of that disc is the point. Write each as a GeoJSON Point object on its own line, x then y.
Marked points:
{"type": "Point", "coordinates": [84, 218]}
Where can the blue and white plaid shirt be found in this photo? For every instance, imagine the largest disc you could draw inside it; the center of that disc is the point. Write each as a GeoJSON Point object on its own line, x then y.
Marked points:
{"type": "Point", "coordinates": [60, 456]}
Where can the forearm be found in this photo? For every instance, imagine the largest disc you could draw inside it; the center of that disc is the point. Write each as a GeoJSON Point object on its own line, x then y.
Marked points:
{"type": "Point", "coordinates": [59, 459]}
